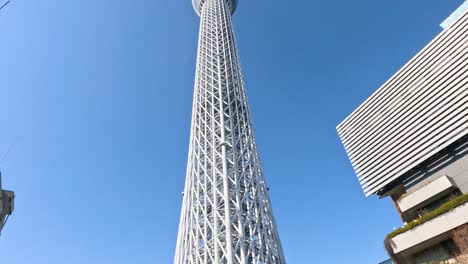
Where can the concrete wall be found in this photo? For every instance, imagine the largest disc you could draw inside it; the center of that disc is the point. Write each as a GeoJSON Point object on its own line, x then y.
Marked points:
{"type": "Point", "coordinates": [410, 240]}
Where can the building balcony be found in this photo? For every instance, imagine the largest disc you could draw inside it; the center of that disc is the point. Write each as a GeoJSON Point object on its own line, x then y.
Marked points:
{"type": "Point", "coordinates": [426, 194]}
{"type": "Point", "coordinates": [429, 233]}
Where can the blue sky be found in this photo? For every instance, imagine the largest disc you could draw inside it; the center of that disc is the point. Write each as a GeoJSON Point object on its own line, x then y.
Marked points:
{"type": "Point", "coordinates": [95, 97]}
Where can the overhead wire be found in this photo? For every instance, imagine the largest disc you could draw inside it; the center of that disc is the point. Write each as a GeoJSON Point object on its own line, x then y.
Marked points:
{"type": "Point", "coordinates": [6, 3]}
{"type": "Point", "coordinates": [2, 224]}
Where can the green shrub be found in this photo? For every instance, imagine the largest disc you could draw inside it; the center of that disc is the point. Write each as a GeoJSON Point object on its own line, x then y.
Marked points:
{"type": "Point", "coordinates": [446, 207]}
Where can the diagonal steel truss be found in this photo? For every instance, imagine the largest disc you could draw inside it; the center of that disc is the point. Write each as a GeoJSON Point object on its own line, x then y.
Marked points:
{"type": "Point", "coordinates": [226, 213]}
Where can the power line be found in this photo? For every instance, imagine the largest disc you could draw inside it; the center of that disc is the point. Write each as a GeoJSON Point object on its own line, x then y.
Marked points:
{"type": "Point", "coordinates": [6, 3]}
{"type": "Point", "coordinates": [6, 153]}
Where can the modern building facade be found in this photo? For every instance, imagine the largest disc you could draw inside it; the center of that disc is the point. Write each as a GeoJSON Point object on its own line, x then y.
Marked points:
{"type": "Point", "coordinates": [409, 141]}
{"type": "Point", "coordinates": [226, 214]}
{"type": "Point", "coordinates": [6, 204]}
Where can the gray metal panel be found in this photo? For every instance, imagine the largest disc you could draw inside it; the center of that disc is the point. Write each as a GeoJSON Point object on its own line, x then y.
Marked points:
{"type": "Point", "coordinates": [419, 111]}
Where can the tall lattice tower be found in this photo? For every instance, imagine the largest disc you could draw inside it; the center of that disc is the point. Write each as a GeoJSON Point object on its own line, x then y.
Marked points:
{"type": "Point", "coordinates": [226, 212]}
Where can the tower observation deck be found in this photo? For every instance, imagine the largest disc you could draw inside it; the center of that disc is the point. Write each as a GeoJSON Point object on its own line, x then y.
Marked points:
{"type": "Point", "coordinates": [226, 216]}
{"type": "Point", "coordinates": [198, 5]}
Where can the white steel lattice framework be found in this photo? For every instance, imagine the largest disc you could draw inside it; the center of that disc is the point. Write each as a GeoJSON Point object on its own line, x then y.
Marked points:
{"type": "Point", "coordinates": [226, 212]}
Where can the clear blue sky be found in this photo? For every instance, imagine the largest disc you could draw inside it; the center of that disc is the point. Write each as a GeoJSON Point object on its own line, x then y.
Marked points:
{"type": "Point", "coordinates": [96, 98]}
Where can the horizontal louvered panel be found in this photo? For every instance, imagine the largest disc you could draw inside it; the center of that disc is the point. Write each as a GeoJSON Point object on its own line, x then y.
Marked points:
{"type": "Point", "coordinates": [418, 130]}
{"type": "Point", "coordinates": [383, 96]}
{"type": "Point", "coordinates": [419, 111]}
